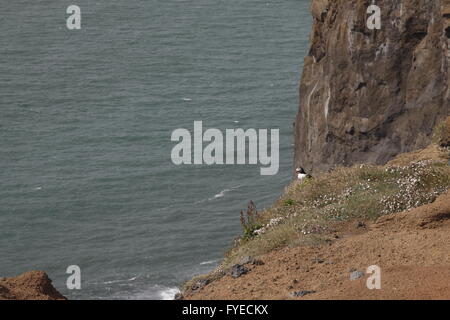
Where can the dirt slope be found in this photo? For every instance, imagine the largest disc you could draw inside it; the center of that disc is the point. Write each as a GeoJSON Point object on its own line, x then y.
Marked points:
{"type": "Point", "coordinates": [411, 248]}
{"type": "Point", "coordinates": [33, 285]}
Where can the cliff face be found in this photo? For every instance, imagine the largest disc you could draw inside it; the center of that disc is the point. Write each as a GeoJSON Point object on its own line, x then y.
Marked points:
{"type": "Point", "coordinates": [368, 95]}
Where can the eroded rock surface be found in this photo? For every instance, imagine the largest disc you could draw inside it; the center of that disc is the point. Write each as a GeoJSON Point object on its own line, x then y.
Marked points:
{"type": "Point", "coordinates": [368, 95]}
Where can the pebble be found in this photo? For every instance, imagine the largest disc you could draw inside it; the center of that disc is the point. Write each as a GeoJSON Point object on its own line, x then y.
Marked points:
{"type": "Point", "coordinates": [356, 275]}
{"type": "Point", "coordinates": [302, 293]}
{"type": "Point", "coordinates": [318, 260]}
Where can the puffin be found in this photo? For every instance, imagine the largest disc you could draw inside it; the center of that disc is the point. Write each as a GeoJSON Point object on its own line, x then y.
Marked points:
{"type": "Point", "coordinates": [301, 174]}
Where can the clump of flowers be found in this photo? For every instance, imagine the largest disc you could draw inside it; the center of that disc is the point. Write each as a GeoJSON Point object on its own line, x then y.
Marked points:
{"type": "Point", "coordinates": [413, 188]}
{"type": "Point", "coordinates": [249, 221]}
{"type": "Point", "coordinates": [312, 229]}
{"type": "Point", "coordinates": [272, 223]}
{"type": "Point", "coordinates": [368, 192]}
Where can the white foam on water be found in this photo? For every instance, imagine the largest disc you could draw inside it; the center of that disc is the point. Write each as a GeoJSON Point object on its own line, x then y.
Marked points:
{"type": "Point", "coordinates": [222, 193]}
{"type": "Point", "coordinates": [155, 292]}
{"type": "Point", "coordinates": [169, 293]}
{"type": "Point", "coordinates": [121, 280]}
{"type": "Point", "coordinates": [208, 262]}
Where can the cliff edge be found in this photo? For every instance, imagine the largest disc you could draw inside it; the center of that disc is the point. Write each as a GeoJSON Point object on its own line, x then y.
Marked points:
{"type": "Point", "coordinates": [33, 285]}
{"type": "Point", "coordinates": [368, 95]}
{"type": "Point", "coordinates": [411, 248]}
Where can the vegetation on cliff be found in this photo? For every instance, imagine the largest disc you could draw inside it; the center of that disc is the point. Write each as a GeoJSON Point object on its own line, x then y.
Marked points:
{"type": "Point", "coordinates": [309, 213]}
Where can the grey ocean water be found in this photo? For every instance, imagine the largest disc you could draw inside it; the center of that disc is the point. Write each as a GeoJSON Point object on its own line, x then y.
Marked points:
{"type": "Point", "coordinates": [85, 123]}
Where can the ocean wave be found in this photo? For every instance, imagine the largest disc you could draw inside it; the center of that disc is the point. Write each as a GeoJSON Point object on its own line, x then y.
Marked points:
{"type": "Point", "coordinates": [222, 193]}
{"type": "Point", "coordinates": [168, 293]}
{"type": "Point", "coordinates": [208, 262]}
{"type": "Point", "coordinates": [121, 280]}
{"type": "Point", "coordinates": [154, 292]}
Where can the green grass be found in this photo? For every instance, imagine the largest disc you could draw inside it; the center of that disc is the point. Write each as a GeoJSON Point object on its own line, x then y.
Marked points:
{"type": "Point", "coordinates": [289, 202]}
{"type": "Point", "coordinates": [309, 209]}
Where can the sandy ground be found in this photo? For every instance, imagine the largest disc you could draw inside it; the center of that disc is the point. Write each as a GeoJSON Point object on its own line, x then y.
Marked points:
{"type": "Point", "coordinates": [411, 248]}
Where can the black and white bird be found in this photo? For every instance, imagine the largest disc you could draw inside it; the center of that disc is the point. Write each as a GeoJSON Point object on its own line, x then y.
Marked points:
{"type": "Point", "coordinates": [301, 174]}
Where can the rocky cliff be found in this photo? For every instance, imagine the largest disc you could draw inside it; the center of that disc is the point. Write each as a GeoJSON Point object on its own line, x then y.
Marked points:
{"type": "Point", "coordinates": [368, 95]}
{"type": "Point", "coordinates": [33, 285]}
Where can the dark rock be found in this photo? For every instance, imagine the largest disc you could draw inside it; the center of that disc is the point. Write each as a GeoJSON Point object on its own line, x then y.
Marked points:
{"type": "Point", "coordinates": [238, 270]}
{"type": "Point", "coordinates": [360, 224]}
{"type": "Point", "coordinates": [302, 293]}
{"type": "Point", "coordinates": [318, 260]}
{"type": "Point", "coordinates": [356, 275]}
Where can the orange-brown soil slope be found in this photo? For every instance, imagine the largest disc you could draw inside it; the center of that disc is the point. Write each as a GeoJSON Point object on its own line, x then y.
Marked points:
{"type": "Point", "coordinates": [412, 248]}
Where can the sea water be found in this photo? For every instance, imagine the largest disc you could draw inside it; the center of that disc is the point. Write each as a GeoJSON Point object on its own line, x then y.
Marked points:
{"type": "Point", "coordinates": [86, 118]}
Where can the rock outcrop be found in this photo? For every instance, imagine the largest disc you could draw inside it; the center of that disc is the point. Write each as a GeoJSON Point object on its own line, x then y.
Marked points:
{"type": "Point", "coordinates": [368, 95]}
{"type": "Point", "coordinates": [33, 285]}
